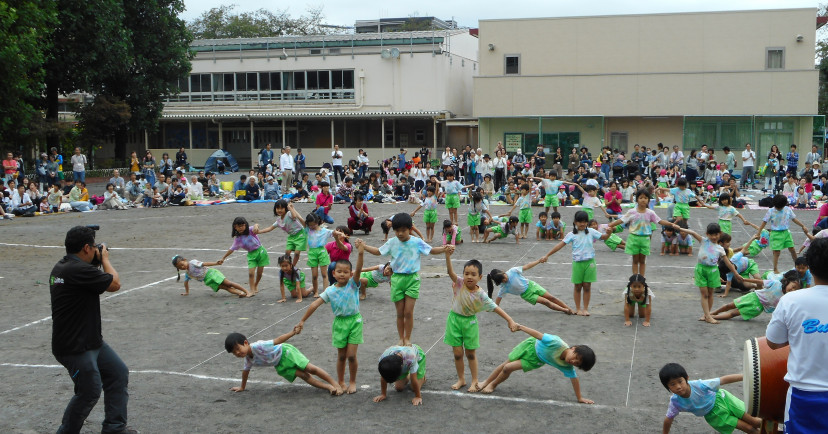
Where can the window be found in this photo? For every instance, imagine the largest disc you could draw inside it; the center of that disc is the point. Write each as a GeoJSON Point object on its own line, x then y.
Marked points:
{"type": "Point", "coordinates": [419, 137]}
{"type": "Point", "coordinates": [334, 50]}
{"type": "Point", "coordinates": [316, 51]}
{"type": "Point", "coordinates": [512, 64]}
{"type": "Point", "coordinates": [775, 58]}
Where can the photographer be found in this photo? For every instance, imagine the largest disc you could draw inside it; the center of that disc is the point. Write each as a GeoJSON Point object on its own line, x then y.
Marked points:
{"type": "Point", "coordinates": [76, 284]}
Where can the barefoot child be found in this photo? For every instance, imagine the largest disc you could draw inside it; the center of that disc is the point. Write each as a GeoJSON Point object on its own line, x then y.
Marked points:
{"type": "Point", "coordinates": [524, 205]}
{"type": "Point", "coordinates": [346, 330]}
{"type": "Point", "coordinates": [583, 258]}
{"type": "Point", "coordinates": [451, 233]}
{"type": "Point", "coordinates": [638, 294]}
{"type": "Point", "coordinates": [681, 197]}
{"type": "Point", "coordinates": [551, 185]}
{"type": "Point", "coordinates": [288, 361]}
{"type": "Point", "coordinates": [388, 224]}
{"type": "Point", "coordinates": [291, 278]}
{"type": "Point", "coordinates": [429, 206]}
{"type": "Point", "coordinates": [746, 268]}
{"type": "Point", "coordinates": [614, 241]}
{"type": "Point", "coordinates": [318, 257]}
{"type": "Point", "coordinates": [452, 188]}
{"type": "Point", "coordinates": [197, 270]}
{"type": "Point", "coordinates": [543, 225]}
{"type": "Point", "coordinates": [257, 257]}
{"type": "Point", "coordinates": [752, 304]}
{"type": "Point", "coordinates": [539, 349]}
{"type": "Point", "coordinates": [722, 411]}
{"type": "Point", "coordinates": [513, 282]}
{"type": "Point", "coordinates": [477, 207]}
{"type": "Point", "coordinates": [557, 227]}
{"type": "Point", "coordinates": [371, 277]}
{"type": "Point", "coordinates": [405, 251]}
{"type": "Point", "coordinates": [640, 220]}
{"type": "Point", "coordinates": [289, 220]}
{"type": "Point", "coordinates": [779, 220]}
{"type": "Point", "coordinates": [669, 241]}
{"type": "Point", "coordinates": [592, 201]}
{"type": "Point", "coordinates": [401, 365]}
{"type": "Point", "coordinates": [727, 212]}
{"type": "Point", "coordinates": [502, 230]}
{"type": "Point", "coordinates": [461, 325]}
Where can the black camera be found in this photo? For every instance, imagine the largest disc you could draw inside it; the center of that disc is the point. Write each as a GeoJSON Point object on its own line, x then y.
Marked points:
{"type": "Point", "coordinates": [96, 261]}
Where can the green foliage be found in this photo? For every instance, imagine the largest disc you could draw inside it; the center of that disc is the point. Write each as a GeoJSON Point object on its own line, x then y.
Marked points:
{"type": "Point", "coordinates": [413, 24]}
{"type": "Point", "coordinates": [822, 62]}
{"type": "Point", "coordinates": [222, 22]}
{"type": "Point", "coordinates": [99, 120]}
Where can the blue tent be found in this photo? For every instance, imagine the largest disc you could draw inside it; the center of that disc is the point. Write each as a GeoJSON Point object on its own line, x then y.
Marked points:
{"type": "Point", "coordinates": [229, 161]}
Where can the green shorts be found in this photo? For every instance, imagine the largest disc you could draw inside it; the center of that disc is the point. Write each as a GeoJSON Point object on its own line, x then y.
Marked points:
{"type": "Point", "coordinates": [613, 241]}
{"type": "Point", "coordinates": [421, 364]}
{"type": "Point", "coordinates": [292, 359]}
{"type": "Point", "coordinates": [754, 248]}
{"type": "Point", "coordinates": [452, 201]}
{"type": "Point", "coordinates": [683, 210]}
{"type": "Point", "coordinates": [533, 292]}
{"type": "Point", "coordinates": [726, 412]}
{"type": "Point", "coordinates": [584, 271]}
{"type": "Point", "coordinates": [473, 219]}
{"type": "Point", "coordinates": [525, 215]}
{"type": "Point", "coordinates": [347, 330]}
{"type": "Point", "coordinates": [430, 216]}
{"type": "Point", "coordinates": [588, 211]}
{"type": "Point", "coordinates": [780, 240]}
{"type": "Point", "coordinates": [462, 331]}
{"type": "Point", "coordinates": [405, 285]}
{"type": "Point", "coordinates": [318, 257]}
{"type": "Point", "coordinates": [369, 276]}
{"type": "Point", "coordinates": [525, 352]}
{"type": "Point", "coordinates": [751, 269]}
{"type": "Point", "coordinates": [707, 276]}
{"type": "Point", "coordinates": [297, 242]}
{"type": "Point", "coordinates": [497, 229]}
{"type": "Point", "coordinates": [291, 284]}
{"type": "Point", "coordinates": [551, 200]}
{"type": "Point", "coordinates": [749, 306]}
{"type": "Point", "coordinates": [637, 245]}
{"type": "Point", "coordinates": [213, 279]}
{"type": "Point", "coordinates": [726, 225]}
{"type": "Point", "coordinates": [258, 258]}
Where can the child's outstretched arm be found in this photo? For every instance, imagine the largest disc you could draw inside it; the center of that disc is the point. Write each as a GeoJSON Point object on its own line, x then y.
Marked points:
{"type": "Point", "coordinates": [732, 269]}
{"type": "Point", "coordinates": [529, 331]}
{"type": "Point", "coordinates": [295, 214]}
{"type": "Point", "coordinates": [576, 387]}
{"type": "Point", "coordinates": [692, 234]}
{"type": "Point", "coordinates": [804, 228]}
{"type": "Point", "coordinates": [535, 262]}
{"type": "Point", "coordinates": [360, 256]}
{"type": "Point", "coordinates": [732, 378]}
{"type": "Point", "coordinates": [256, 230]}
{"type": "Point", "coordinates": [555, 249]}
{"type": "Point", "coordinates": [286, 336]}
{"type": "Point", "coordinates": [615, 223]}
{"type": "Point", "coordinates": [416, 209]}
{"type": "Point", "coordinates": [513, 326]}
{"type": "Point", "coordinates": [210, 264]}
{"type": "Point", "coordinates": [451, 274]}
{"type": "Point", "coordinates": [311, 309]}
{"type": "Point", "coordinates": [245, 374]}
{"type": "Point", "coordinates": [759, 230]}
{"type": "Point", "coordinates": [226, 254]}
{"type": "Point", "coordinates": [441, 249]}
{"type": "Point", "coordinates": [371, 249]}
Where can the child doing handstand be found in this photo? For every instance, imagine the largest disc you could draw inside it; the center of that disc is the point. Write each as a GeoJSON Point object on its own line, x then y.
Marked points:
{"type": "Point", "coordinates": [197, 270]}
{"type": "Point", "coordinates": [512, 281]}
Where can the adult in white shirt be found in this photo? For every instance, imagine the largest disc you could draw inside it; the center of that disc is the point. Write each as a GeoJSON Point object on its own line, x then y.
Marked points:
{"type": "Point", "coordinates": [336, 162]}
{"type": "Point", "coordinates": [286, 165]}
{"type": "Point", "coordinates": [813, 156]}
{"type": "Point", "coordinates": [21, 202]}
{"type": "Point", "coordinates": [748, 161]}
{"type": "Point", "coordinates": [500, 163]}
{"type": "Point", "coordinates": [445, 161]}
{"type": "Point", "coordinates": [195, 191]}
{"type": "Point", "coordinates": [801, 322]}
{"type": "Point", "coordinates": [676, 157]}
{"type": "Point", "coordinates": [420, 175]}
{"type": "Point", "coordinates": [363, 162]}
{"type": "Point", "coordinates": [485, 167]}
{"type": "Point", "coordinates": [79, 166]}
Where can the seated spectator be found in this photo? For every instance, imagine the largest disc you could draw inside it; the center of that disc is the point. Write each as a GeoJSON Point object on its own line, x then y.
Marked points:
{"type": "Point", "coordinates": [118, 182]}
{"type": "Point", "coordinates": [195, 191]}
{"type": "Point", "coordinates": [163, 187]}
{"type": "Point", "coordinates": [202, 178]}
{"type": "Point", "coordinates": [111, 198]}
{"type": "Point", "coordinates": [21, 202]}
{"type": "Point", "coordinates": [345, 191]}
{"type": "Point", "coordinates": [240, 184]}
{"type": "Point", "coordinates": [79, 197]}
{"type": "Point", "coordinates": [271, 189]}
{"type": "Point", "coordinates": [251, 190]}
{"type": "Point", "coordinates": [34, 193]}
{"type": "Point", "coordinates": [55, 198]}
{"type": "Point", "coordinates": [178, 194]}
{"type": "Point", "coordinates": [134, 190]}
{"type": "Point", "coordinates": [213, 184]}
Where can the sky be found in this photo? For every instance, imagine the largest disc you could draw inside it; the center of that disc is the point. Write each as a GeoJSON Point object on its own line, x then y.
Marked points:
{"type": "Point", "coordinates": [468, 12]}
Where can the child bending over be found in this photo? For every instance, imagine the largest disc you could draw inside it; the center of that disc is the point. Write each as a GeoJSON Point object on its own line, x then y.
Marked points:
{"type": "Point", "coordinates": [401, 365]}
{"type": "Point", "coordinates": [638, 293]}
{"type": "Point", "coordinates": [197, 270]}
{"type": "Point", "coordinates": [513, 282]}
{"type": "Point", "coordinates": [291, 278]}
{"type": "Point", "coordinates": [752, 304]}
{"type": "Point", "coordinates": [371, 277]}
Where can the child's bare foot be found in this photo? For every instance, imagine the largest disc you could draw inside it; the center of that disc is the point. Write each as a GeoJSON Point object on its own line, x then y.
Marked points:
{"type": "Point", "coordinates": [336, 391]}
{"type": "Point", "coordinates": [474, 387]}
{"type": "Point", "coordinates": [673, 254]}
{"type": "Point", "coordinates": [407, 343]}
{"type": "Point", "coordinates": [711, 320]}
{"type": "Point", "coordinates": [646, 323]}
{"type": "Point", "coordinates": [315, 295]}
{"type": "Point", "coordinates": [401, 342]}
{"type": "Point", "coordinates": [662, 254]}
{"type": "Point", "coordinates": [458, 384]}
{"type": "Point", "coordinates": [281, 301]}
{"type": "Point", "coordinates": [298, 300]}
{"type": "Point", "coordinates": [586, 312]}
{"type": "Point", "coordinates": [351, 388]}
{"type": "Point", "coordinates": [627, 323]}
{"type": "Point", "coordinates": [362, 296]}
{"type": "Point", "coordinates": [701, 318]}
{"type": "Point", "coordinates": [488, 389]}
{"type": "Point", "coordinates": [580, 313]}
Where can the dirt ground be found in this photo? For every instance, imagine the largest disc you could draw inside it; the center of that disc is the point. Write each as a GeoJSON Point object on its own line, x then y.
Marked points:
{"type": "Point", "coordinates": [181, 375]}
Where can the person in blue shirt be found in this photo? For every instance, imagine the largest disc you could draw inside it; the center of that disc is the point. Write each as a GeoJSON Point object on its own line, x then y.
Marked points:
{"type": "Point", "coordinates": [793, 161]}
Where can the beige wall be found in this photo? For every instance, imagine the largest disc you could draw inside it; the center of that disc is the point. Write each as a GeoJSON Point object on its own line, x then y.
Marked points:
{"type": "Point", "coordinates": [646, 132]}
{"type": "Point", "coordinates": [491, 130]}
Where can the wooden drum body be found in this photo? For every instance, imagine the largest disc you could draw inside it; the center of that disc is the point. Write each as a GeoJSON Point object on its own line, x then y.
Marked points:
{"type": "Point", "coordinates": [765, 388]}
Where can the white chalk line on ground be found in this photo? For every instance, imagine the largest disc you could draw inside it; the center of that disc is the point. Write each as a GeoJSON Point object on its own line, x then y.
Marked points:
{"type": "Point", "coordinates": [632, 360]}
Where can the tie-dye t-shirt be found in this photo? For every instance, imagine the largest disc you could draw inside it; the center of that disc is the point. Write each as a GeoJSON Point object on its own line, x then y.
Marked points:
{"type": "Point", "coordinates": [549, 350]}
{"type": "Point", "coordinates": [430, 203]}
{"type": "Point", "coordinates": [246, 242]}
{"type": "Point", "coordinates": [478, 207]}
{"type": "Point", "coordinates": [264, 354]}
{"type": "Point", "coordinates": [779, 220]}
{"type": "Point", "coordinates": [710, 252]}
{"type": "Point", "coordinates": [379, 277]}
{"type": "Point", "coordinates": [524, 202]}
{"type": "Point", "coordinates": [515, 282]}
{"type": "Point", "coordinates": [770, 294]}
{"type": "Point", "coordinates": [701, 400]}
{"type": "Point", "coordinates": [288, 224]}
{"type": "Point", "coordinates": [409, 357]}
{"type": "Point", "coordinates": [344, 300]}
{"type": "Point", "coordinates": [727, 212]}
{"type": "Point", "coordinates": [452, 187]}
{"type": "Point", "coordinates": [317, 237]}
{"type": "Point", "coordinates": [551, 187]}
{"type": "Point", "coordinates": [196, 270]}
{"type": "Point", "coordinates": [682, 196]}
{"type": "Point", "coordinates": [640, 223]}
{"type": "Point", "coordinates": [591, 202]}
{"type": "Point", "coordinates": [468, 303]}
{"type": "Point", "coordinates": [405, 256]}
{"type": "Point", "coordinates": [740, 262]}
{"type": "Point", "coordinates": [582, 249]}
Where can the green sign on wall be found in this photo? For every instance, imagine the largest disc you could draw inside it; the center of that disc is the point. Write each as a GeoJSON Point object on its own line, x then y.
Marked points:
{"type": "Point", "coordinates": [513, 141]}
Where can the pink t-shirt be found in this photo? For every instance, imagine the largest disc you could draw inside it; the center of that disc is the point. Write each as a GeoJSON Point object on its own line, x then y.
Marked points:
{"type": "Point", "coordinates": [324, 201]}
{"type": "Point", "coordinates": [823, 212]}
{"type": "Point", "coordinates": [613, 206]}
{"type": "Point", "coordinates": [336, 253]}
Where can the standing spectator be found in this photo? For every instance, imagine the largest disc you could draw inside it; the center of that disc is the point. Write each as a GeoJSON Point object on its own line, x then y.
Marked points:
{"type": "Point", "coordinates": [424, 154]}
{"type": "Point", "coordinates": [486, 167]}
{"type": "Point", "coordinates": [605, 158]}
{"type": "Point", "coordinates": [446, 159]}
{"type": "Point", "coordinates": [363, 163]}
{"type": "Point", "coordinates": [53, 170]}
{"type": "Point", "coordinates": [518, 160]}
{"type": "Point", "coordinates": [692, 167]}
{"type": "Point", "coordinates": [401, 159]}
{"type": "Point", "coordinates": [165, 167]}
{"type": "Point", "coordinates": [677, 158]}
{"type": "Point", "coordinates": [792, 160]}
{"type": "Point", "coordinates": [59, 158]}
{"type": "Point", "coordinates": [149, 168]}
{"type": "Point", "coordinates": [813, 156]}
{"type": "Point", "coordinates": [181, 159]}
{"type": "Point", "coordinates": [266, 158]}
{"type": "Point", "coordinates": [540, 158]}
{"type": "Point", "coordinates": [134, 163]}
{"type": "Point", "coordinates": [771, 169]}
{"type": "Point", "coordinates": [299, 162]}
{"type": "Point", "coordinates": [21, 168]}
{"type": "Point", "coordinates": [42, 171]}
{"type": "Point", "coordinates": [557, 162]}
{"type": "Point", "coordinates": [730, 160]}
{"type": "Point", "coordinates": [79, 166]}
{"type": "Point", "coordinates": [117, 182]}
{"type": "Point", "coordinates": [638, 157]}
{"type": "Point", "coordinates": [420, 176]}
{"type": "Point", "coordinates": [77, 342]}
{"type": "Point", "coordinates": [499, 169]}
{"type": "Point", "coordinates": [286, 165]}
{"type": "Point", "coordinates": [336, 162]}
{"type": "Point", "coordinates": [748, 162]}
{"type": "Point", "coordinates": [585, 158]}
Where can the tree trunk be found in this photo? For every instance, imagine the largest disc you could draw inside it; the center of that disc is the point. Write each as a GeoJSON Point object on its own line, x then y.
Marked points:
{"type": "Point", "coordinates": [52, 140]}
{"type": "Point", "coordinates": [120, 144]}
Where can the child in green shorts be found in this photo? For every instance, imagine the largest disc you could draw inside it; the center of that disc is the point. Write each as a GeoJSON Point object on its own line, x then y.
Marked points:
{"type": "Point", "coordinates": [722, 411]}
{"type": "Point", "coordinates": [779, 220]}
{"type": "Point", "coordinates": [343, 296]}
{"type": "Point", "coordinates": [429, 205]}
{"type": "Point", "coordinates": [727, 212]}
{"type": "Point", "coordinates": [539, 349]}
{"type": "Point", "coordinates": [461, 325]}
{"type": "Point", "coordinates": [288, 361]}
{"type": "Point", "coordinates": [590, 201]}
{"type": "Point", "coordinates": [197, 270]}
{"type": "Point", "coordinates": [452, 189]}
{"type": "Point", "coordinates": [477, 208]}
{"type": "Point", "coordinates": [289, 220]}
{"type": "Point", "coordinates": [291, 278]}
{"type": "Point", "coordinates": [371, 277]}
{"type": "Point", "coordinates": [765, 299]}
{"type": "Point", "coordinates": [451, 233]}
{"type": "Point", "coordinates": [681, 197]}
{"type": "Point", "coordinates": [524, 204]}
{"type": "Point", "coordinates": [405, 251]}
{"type": "Point", "coordinates": [512, 281]}
{"type": "Point", "coordinates": [640, 220]}
{"type": "Point", "coordinates": [257, 257]}
{"type": "Point", "coordinates": [399, 365]}
{"type": "Point", "coordinates": [614, 241]}
{"type": "Point", "coordinates": [318, 257]}
{"type": "Point", "coordinates": [638, 293]}
{"type": "Point", "coordinates": [502, 229]}
{"type": "Point", "coordinates": [551, 185]}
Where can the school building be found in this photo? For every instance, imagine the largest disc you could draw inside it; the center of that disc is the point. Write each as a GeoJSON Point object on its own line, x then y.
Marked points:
{"type": "Point", "coordinates": [687, 79]}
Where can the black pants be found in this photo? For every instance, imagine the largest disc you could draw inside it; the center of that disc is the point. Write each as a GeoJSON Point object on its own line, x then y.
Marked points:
{"type": "Point", "coordinates": [500, 179]}
{"type": "Point", "coordinates": [93, 371]}
{"type": "Point", "coordinates": [338, 172]}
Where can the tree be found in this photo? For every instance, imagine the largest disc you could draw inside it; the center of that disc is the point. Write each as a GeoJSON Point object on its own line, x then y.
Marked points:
{"type": "Point", "coordinates": [822, 62]}
{"type": "Point", "coordinates": [222, 23]}
{"type": "Point", "coordinates": [99, 121]}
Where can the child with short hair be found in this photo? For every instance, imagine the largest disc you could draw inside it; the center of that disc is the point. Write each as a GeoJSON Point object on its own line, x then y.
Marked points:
{"type": "Point", "coordinates": [371, 277]}
{"type": "Point", "coordinates": [291, 278]}
{"type": "Point", "coordinates": [816, 233]}
{"type": "Point", "coordinates": [557, 227]}
{"type": "Point", "coordinates": [477, 207]}
{"type": "Point", "coordinates": [542, 224]}
{"type": "Point", "coordinates": [638, 293]}
{"type": "Point", "coordinates": [727, 212]}
{"type": "Point", "coordinates": [614, 241]}
{"type": "Point", "coordinates": [524, 205]}
{"type": "Point", "coordinates": [779, 218]}
{"type": "Point", "coordinates": [257, 259]}
{"type": "Point", "coordinates": [551, 185]}
{"type": "Point", "coordinates": [197, 270]}
{"type": "Point", "coordinates": [669, 241]}
{"type": "Point", "coordinates": [591, 201]}
{"type": "Point", "coordinates": [405, 252]}
{"type": "Point", "coordinates": [640, 220]}
{"type": "Point", "coordinates": [539, 349]}
{"type": "Point", "coordinates": [318, 257]}
{"type": "Point", "coordinates": [289, 220]}
{"type": "Point", "coordinates": [388, 223]}
{"type": "Point", "coordinates": [401, 365]}
{"type": "Point", "coordinates": [681, 199]}
{"type": "Point", "coordinates": [451, 233]}
{"type": "Point", "coordinates": [722, 411]}
{"type": "Point", "coordinates": [502, 229]}
{"type": "Point", "coordinates": [287, 359]}
{"type": "Point", "coordinates": [752, 304]}
{"type": "Point", "coordinates": [453, 188]}
{"type": "Point", "coordinates": [324, 202]}
{"type": "Point", "coordinates": [429, 204]}
{"type": "Point", "coordinates": [746, 268]}
{"type": "Point", "coordinates": [346, 330]}
{"type": "Point", "coordinates": [512, 281]}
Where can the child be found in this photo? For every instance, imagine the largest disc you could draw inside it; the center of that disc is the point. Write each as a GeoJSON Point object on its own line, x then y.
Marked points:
{"type": "Point", "coordinates": [669, 241]}
{"type": "Point", "coordinates": [289, 220]}
{"type": "Point", "coordinates": [257, 257]}
{"type": "Point", "coordinates": [371, 277]}
{"type": "Point", "coordinates": [817, 233]}
{"type": "Point", "coordinates": [801, 198]}
{"type": "Point", "coordinates": [727, 212]}
{"type": "Point", "coordinates": [539, 349]}
{"type": "Point", "coordinates": [461, 324]}
{"type": "Point", "coordinates": [502, 230]}
{"type": "Point", "coordinates": [513, 282]}
{"type": "Point", "coordinates": [614, 241]}
{"type": "Point", "coordinates": [780, 217]}
{"type": "Point", "coordinates": [638, 293]}
{"type": "Point", "coordinates": [324, 203]}
{"type": "Point", "coordinates": [583, 258]}
{"type": "Point", "coordinates": [288, 361]}
{"type": "Point", "coordinates": [44, 205]}
{"type": "Point", "coordinates": [343, 296]}
{"type": "Point", "coordinates": [752, 304]}
{"type": "Point", "coordinates": [452, 189]}
{"type": "Point", "coordinates": [758, 244]}
{"type": "Point", "coordinates": [292, 278]}
{"type": "Point", "coordinates": [387, 225]}
{"type": "Point", "coordinates": [399, 365]}
{"type": "Point", "coordinates": [211, 277]}
{"type": "Point", "coordinates": [722, 411]}
{"type": "Point", "coordinates": [551, 185]}
{"type": "Point", "coordinates": [591, 201]}
{"type": "Point", "coordinates": [339, 248]}
{"type": "Point", "coordinates": [707, 270]}
{"type": "Point", "coordinates": [318, 258]}
{"type": "Point", "coordinates": [557, 227]}
{"type": "Point", "coordinates": [429, 205]}
{"type": "Point", "coordinates": [477, 207]}
{"type": "Point", "coordinates": [524, 204]}
{"type": "Point", "coordinates": [640, 220]}
{"type": "Point", "coordinates": [681, 197]}
{"type": "Point", "coordinates": [542, 225]}
{"type": "Point", "coordinates": [746, 268]}
{"type": "Point", "coordinates": [405, 252]}
{"type": "Point", "coordinates": [451, 233]}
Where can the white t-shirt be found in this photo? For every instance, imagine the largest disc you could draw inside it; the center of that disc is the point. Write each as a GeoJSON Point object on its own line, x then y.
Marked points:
{"type": "Point", "coordinates": [801, 319]}
{"type": "Point", "coordinates": [751, 157]}
{"type": "Point", "coordinates": [286, 162]}
{"type": "Point", "coordinates": [336, 158]}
